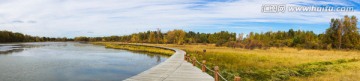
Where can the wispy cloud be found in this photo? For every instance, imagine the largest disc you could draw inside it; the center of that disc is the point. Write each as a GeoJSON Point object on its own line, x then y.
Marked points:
{"type": "Point", "coordinates": [71, 18]}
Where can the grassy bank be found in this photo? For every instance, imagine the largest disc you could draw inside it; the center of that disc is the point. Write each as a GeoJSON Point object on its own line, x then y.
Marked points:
{"type": "Point", "coordinates": [278, 64]}
{"type": "Point", "coordinates": [138, 48]}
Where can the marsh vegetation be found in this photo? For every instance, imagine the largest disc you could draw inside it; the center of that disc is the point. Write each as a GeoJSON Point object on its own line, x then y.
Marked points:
{"type": "Point", "coordinates": [278, 63]}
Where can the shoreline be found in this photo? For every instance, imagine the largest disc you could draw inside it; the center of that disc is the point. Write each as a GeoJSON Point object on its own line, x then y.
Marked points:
{"type": "Point", "coordinates": [137, 48]}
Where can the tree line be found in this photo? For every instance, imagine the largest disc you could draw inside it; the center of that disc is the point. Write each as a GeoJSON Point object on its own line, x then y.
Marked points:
{"type": "Point", "coordinates": [8, 36]}
{"type": "Point", "coordinates": [171, 37]}
{"type": "Point", "coordinates": [342, 34]}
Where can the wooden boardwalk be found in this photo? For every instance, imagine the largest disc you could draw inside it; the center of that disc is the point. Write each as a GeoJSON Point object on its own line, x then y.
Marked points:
{"type": "Point", "coordinates": [173, 69]}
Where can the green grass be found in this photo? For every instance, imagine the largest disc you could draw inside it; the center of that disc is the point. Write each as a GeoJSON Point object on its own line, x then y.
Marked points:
{"type": "Point", "coordinates": [137, 48]}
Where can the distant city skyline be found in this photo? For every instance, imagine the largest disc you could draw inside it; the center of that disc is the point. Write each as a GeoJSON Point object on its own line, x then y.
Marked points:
{"type": "Point", "coordinates": [71, 18]}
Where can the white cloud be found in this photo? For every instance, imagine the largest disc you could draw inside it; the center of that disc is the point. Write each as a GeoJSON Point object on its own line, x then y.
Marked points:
{"type": "Point", "coordinates": [71, 18]}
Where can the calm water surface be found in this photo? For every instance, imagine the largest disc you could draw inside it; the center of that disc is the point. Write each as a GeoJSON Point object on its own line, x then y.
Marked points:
{"type": "Point", "coordinates": [70, 61]}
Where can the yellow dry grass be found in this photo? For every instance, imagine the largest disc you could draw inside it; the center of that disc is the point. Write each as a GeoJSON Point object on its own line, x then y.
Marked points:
{"type": "Point", "coordinates": [247, 63]}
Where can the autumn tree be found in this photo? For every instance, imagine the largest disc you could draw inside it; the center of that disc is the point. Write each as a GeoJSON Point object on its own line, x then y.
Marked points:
{"type": "Point", "coordinates": [152, 37]}
{"type": "Point", "coordinates": [135, 38]}
{"type": "Point", "coordinates": [176, 36]}
{"type": "Point", "coordinates": [342, 33]}
{"type": "Point", "coordinates": [159, 36]}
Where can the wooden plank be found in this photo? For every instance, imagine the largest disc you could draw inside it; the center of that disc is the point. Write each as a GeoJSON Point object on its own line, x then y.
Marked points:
{"type": "Point", "coordinates": [173, 69]}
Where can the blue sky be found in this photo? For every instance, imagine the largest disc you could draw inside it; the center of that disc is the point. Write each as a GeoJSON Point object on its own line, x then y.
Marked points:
{"type": "Point", "coordinates": [70, 18]}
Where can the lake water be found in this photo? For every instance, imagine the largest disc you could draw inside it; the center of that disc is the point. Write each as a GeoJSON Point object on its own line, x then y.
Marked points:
{"type": "Point", "coordinates": [71, 61]}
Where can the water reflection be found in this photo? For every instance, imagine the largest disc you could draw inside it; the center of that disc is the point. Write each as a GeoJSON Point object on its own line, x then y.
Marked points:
{"type": "Point", "coordinates": [10, 48]}
{"type": "Point", "coordinates": [59, 61]}
{"type": "Point", "coordinates": [158, 57]}
{"type": "Point", "coordinates": [11, 51]}
{"type": "Point", "coordinates": [17, 47]}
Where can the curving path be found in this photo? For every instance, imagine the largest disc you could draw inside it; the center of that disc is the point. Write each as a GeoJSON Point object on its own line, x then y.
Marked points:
{"type": "Point", "coordinates": [173, 69]}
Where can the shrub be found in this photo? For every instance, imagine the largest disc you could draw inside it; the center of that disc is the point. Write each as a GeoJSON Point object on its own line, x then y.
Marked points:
{"type": "Point", "coordinates": [220, 42]}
